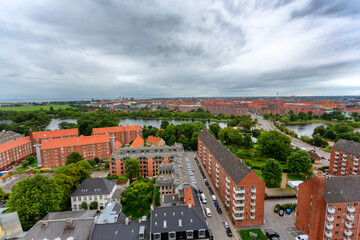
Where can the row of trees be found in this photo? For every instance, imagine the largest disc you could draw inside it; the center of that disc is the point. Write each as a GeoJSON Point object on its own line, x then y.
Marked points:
{"type": "Point", "coordinates": [339, 130]}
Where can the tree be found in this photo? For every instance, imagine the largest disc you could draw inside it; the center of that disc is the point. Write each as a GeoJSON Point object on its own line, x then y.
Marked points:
{"type": "Point", "coordinates": [303, 116]}
{"type": "Point", "coordinates": [285, 119]}
{"type": "Point", "coordinates": [84, 206]}
{"type": "Point", "coordinates": [67, 183]}
{"type": "Point", "coordinates": [299, 162]}
{"type": "Point", "coordinates": [35, 197]}
{"type": "Point", "coordinates": [107, 165]}
{"type": "Point", "coordinates": [318, 141]}
{"type": "Point", "coordinates": [272, 172]}
{"type": "Point", "coordinates": [215, 129]}
{"type": "Point", "coordinates": [25, 163]}
{"type": "Point", "coordinates": [79, 171]}
{"type": "Point", "coordinates": [31, 159]}
{"type": "Point", "coordinates": [137, 196]}
{"type": "Point", "coordinates": [67, 125]}
{"type": "Point", "coordinates": [266, 116]}
{"type": "Point", "coordinates": [132, 168]}
{"type": "Point", "coordinates": [320, 130]}
{"type": "Point", "coordinates": [164, 124]}
{"type": "Point", "coordinates": [310, 115]}
{"type": "Point", "coordinates": [92, 162]}
{"type": "Point", "coordinates": [247, 142]}
{"type": "Point", "coordinates": [73, 157]}
{"type": "Point", "coordinates": [2, 194]}
{"type": "Point", "coordinates": [330, 134]}
{"type": "Point", "coordinates": [275, 145]}
{"type": "Point", "coordinates": [97, 160]}
{"type": "Point", "coordinates": [171, 140]}
{"type": "Point", "coordinates": [343, 127]}
{"type": "Point", "coordinates": [94, 205]}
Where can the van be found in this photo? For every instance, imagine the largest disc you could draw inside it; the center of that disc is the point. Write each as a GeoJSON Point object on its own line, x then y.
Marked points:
{"type": "Point", "coordinates": [203, 198]}
{"type": "Point", "coordinates": [208, 212]}
{"type": "Point", "coordinates": [302, 237]}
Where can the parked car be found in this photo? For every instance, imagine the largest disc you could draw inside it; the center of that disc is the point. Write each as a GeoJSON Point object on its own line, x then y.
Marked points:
{"type": "Point", "coordinates": [302, 237]}
{"type": "Point", "coordinates": [228, 232]}
{"type": "Point", "coordinates": [281, 213]}
{"type": "Point", "coordinates": [208, 212]}
{"type": "Point", "coordinates": [203, 198]}
{"type": "Point", "coordinates": [206, 183]}
{"type": "Point", "coordinates": [271, 234]}
{"type": "Point", "coordinates": [213, 197]}
{"type": "Point", "coordinates": [200, 191]}
{"type": "Point", "coordinates": [218, 209]}
{"type": "Point", "coordinates": [226, 225]}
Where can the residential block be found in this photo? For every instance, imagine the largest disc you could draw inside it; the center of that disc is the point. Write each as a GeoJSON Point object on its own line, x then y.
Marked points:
{"type": "Point", "coordinates": [344, 159]}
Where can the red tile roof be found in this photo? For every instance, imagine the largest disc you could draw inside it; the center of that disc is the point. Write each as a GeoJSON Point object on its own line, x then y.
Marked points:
{"type": "Point", "coordinates": [13, 144]}
{"type": "Point", "coordinates": [55, 133]}
{"type": "Point", "coordinates": [77, 141]}
{"type": "Point", "coordinates": [152, 139]}
{"type": "Point", "coordinates": [188, 197]}
{"type": "Point", "coordinates": [138, 142]}
{"type": "Point", "coordinates": [116, 129]}
{"type": "Point", "coordinates": [117, 145]}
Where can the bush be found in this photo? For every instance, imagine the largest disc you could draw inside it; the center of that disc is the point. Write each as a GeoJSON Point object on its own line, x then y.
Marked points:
{"type": "Point", "coordinates": [288, 206]}
{"type": "Point", "coordinates": [277, 208]}
{"type": "Point", "coordinates": [157, 197]}
{"type": "Point", "coordinates": [111, 177]}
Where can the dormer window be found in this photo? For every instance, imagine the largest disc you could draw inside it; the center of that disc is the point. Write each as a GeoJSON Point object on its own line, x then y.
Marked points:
{"type": "Point", "coordinates": [202, 233]}
{"type": "Point", "coordinates": [189, 234]}
{"type": "Point", "coordinates": [157, 236]}
{"type": "Point", "coordinates": [172, 235]}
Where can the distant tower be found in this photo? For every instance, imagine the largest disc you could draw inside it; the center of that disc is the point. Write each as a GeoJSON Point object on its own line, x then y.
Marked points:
{"type": "Point", "coordinates": [277, 95]}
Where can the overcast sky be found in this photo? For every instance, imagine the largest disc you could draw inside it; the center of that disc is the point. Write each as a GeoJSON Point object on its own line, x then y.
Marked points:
{"type": "Point", "coordinates": [144, 48]}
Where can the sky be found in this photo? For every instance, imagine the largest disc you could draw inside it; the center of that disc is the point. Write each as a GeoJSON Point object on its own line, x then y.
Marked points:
{"type": "Point", "coordinates": [66, 49]}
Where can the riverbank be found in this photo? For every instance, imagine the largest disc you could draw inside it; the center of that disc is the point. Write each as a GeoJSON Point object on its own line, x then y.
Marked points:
{"type": "Point", "coordinates": [312, 121]}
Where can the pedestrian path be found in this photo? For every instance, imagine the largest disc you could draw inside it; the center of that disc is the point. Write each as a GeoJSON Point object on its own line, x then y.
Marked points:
{"type": "Point", "coordinates": [284, 180]}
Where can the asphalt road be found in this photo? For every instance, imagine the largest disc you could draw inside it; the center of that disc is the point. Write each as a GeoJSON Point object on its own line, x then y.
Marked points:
{"type": "Point", "coordinates": [215, 221]}
{"type": "Point", "coordinates": [266, 125]}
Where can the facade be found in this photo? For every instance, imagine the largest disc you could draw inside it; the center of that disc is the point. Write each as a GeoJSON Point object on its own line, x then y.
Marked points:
{"type": "Point", "coordinates": [242, 191]}
{"type": "Point", "coordinates": [344, 159]}
{"type": "Point", "coordinates": [39, 137]}
{"type": "Point", "coordinates": [93, 189]}
{"type": "Point", "coordinates": [328, 207]}
{"type": "Point", "coordinates": [54, 152]}
{"type": "Point", "coordinates": [14, 152]}
{"type": "Point", "coordinates": [155, 141]}
{"type": "Point", "coordinates": [122, 134]}
{"type": "Point", "coordinates": [149, 157]}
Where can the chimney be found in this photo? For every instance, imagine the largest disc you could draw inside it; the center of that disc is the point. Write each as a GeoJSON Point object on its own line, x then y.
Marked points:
{"type": "Point", "coordinates": [180, 223]}
{"type": "Point", "coordinates": [44, 224]}
{"type": "Point", "coordinates": [126, 221]}
{"type": "Point", "coordinates": [68, 223]}
{"type": "Point", "coordinates": [165, 224]}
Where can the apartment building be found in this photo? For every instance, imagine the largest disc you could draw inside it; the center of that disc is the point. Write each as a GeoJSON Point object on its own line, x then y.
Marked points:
{"type": "Point", "coordinates": [344, 159]}
{"type": "Point", "coordinates": [54, 152]}
{"type": "Point", "coordinates": [14, 152]}
{"type": "Point", "coordinates": [39, 137]}
{"type": "Point", "coordinates": [149, 157]}
{"type": "Point", "coordinates": [242, 191]}
{"type": "Point", "coordinates": [100, 190]}
{"type": "Point", "coordinates": [122, 134]}
{"type": "Point", "coordinates": [328, 207]}
{"type": "Point", "coordinates": [155, 141]}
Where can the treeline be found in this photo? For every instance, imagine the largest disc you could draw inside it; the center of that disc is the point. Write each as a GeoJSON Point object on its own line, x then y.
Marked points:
{"type": "Point", "coordinates": [344, 130]}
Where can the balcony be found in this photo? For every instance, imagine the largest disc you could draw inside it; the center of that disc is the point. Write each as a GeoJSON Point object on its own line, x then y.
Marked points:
{"type": "Point", "coordinates": [336, 157]}
{"type": "Point", "coordinates": [227, 185]}
{"type": "Point", "coordinates": [328, 234]}
{"type": "Point", "coordinates": [238, 210]}
{"type": "Point", "coordinates": [227, 203]}
{"type": "Point", "coordinates": [355, 168]}
{"type": "Point", "coordinates": [348, 232]}
{"type": "Point", "coordinates": [238, 197]}
{"type": "Point", "coordinates": [344, 155]}
{"type": "Point", "coordinates": [348, 225]}
{"type": "Point", "coordinates": [331, 210]}
{"type": "Point", "coordinates": [236, 204]}
{"type": "Point", "coordinates": [217, 180]}
{"type": "Point", "coordinates": [335, 165]}
{"type": "Point", "coordinates": [253, 197]}
{"type": "Point", "coordinates": [350, 209]}
{"type": "Point", "coordinates": [356, 159]}
{"type": "Point", "coordinates": [337, 153]}
{"type": "Point", "coordinates": [253, 190]}
{"type": "Point", "coordinates": [330, 218]}
{"type": "Point", "coordinates": [335, 170]}
{"type": "Point", "coordinates": [252, 210]}
{"type": "Point", "coordinates": [238, 191]}
{"type": "Point", "coordinates": [343, 168]}
{"type": "Point", "coordinates": [227, 180]}
{"type": "Point", "coordinates": [336, 161]}
{"type": "Point", "coordinates": [342, 172]}
{"type": "Point", "coordinates": [356, 164]}
{"type": "Point", "coordinates": [253, 204]}
{"type": "Point", "coordinates": [329, 226]}
{"type": "Point", "coordinates": [217, 170]}
{"type": "Point", "coordinates": [343, 164]}
{"type": "Point", "coordinates": [252, 217]}
{"type": "Point", "coordinates": [350, 217]}
{"type": "Point", "coordinates": [354, 173]}
{"type": "Point", "coordinates": [216, 185]}
{"type": "Point", "coordinates": [217, 165]}
{"type": "Point", "coordinates": [237, 218]}
{"type": "Point", "coordinates": [344, 159]}
{"type": "Point", "coordinates": [227, 192]}
{"type": "Point", "coordinates": [227, 198]}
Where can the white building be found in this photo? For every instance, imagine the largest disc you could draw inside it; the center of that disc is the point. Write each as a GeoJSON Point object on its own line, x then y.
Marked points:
{"type": "Point", "coordinates": [100, 190]}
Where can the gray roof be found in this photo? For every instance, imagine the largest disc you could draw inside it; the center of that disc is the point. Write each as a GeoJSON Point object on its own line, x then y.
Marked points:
{"type": "Point", "coordinates": [163, 183]}
{"type": "Point", "coordinates": [81, 229]}
{"type": "Point", "coordinates": [165, 167]}
{"type": "Point", "coordinates": [176, 218]}
{"type": "Point", "coordinates": [236, 169]}
{"type": "Point", "coordinates": [347, 146]}
{"type": "Point", "coordinates": [110, 213]}
{"type": "Point", "coordinates": [94, 186]}
{"type": "Point", "coordinates": [70, 214]}
{"type": "Point", "coordinates": [113, 231]}
{"type": "Point", "coordinates": [130, 152]}
{"type": "Point", "coordinates": [170, 198]}
{"type": "Point", "coordinates": [342, 189]}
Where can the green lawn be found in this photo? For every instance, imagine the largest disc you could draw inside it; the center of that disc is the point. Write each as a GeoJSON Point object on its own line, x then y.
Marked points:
{"type": "Point", "coordinates": [33, 164]}
{"type": "Point", "coordinates": [34, 108]}
{"type": "Point", "coordinates": [138, 212]}
{"type": "Point", "coordinates": [22, 169]}
{"type": "Point", "coordinates": [296, 177]}
{"type": "Point", "coordinates": [245, 234]}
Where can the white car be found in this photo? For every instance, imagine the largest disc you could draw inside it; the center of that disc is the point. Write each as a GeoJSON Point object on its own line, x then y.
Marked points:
{"type": "Point", "coordinates": [213, 197]}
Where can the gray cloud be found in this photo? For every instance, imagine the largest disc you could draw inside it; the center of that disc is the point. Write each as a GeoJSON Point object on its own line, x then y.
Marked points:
{"type": "Point", "coordinates": [106, 48]}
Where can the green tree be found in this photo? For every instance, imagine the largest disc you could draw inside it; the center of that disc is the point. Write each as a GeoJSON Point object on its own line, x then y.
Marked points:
{"type": "Point", "coordinates": [310, 115]}
{"type": "Point", "coordinates": [97, 160]}
{"type": "Point", "coordinates": [274, 145]}
{"type": "Point", "coordinates": [215, 129]}
{"type": "Point", "coordinates": [31, 159]}
{"type": "Point", "coordinates": [132, 168]}
{"type": "Point", "coordinates": [318, 141]}
{"type": "Point", "coordinates": [94, 205]}
{"type": "Point", "coordinates": [171, 140]}
{"type": "Point", "coordinates": [272, 172]}
{"type": "Point", "coordinates": [320, 130]}
{"type": "Point", "coordinates": [303, 116]}
{"type": "Point", "coordinates": [330, 134]}
{"type": "Point", "coordinates": [73, 157]}
{"type": "Point", "coordinates": [25, 163]}
{"type": "Point", "coordinates": [137, 196]}
{"type": "Point", "coordinates": [92, 162]}
{"type": "Point", "coordinates": [343, 127]}
{"type": "Point", "coordinates": [285, 119]}
{"type": "Point", "coordinates": [164, 124]}
{"type": "Point", "coordinates": [79, 171]}
{"type": "Point", "coordinates": [34, 197]}
{"type": "Point", "coordinates": [84, 206]}
{"type": "Point", "coordinates": [107, 165]}
{"type": "Point", "coordinates": [67, 183]}
{"type": "Point", "coordinates": [266, 116]}
{"type": "Point", "coordinates": [299, 162]}
{"type": "Point", "coordinates": [247, 142]}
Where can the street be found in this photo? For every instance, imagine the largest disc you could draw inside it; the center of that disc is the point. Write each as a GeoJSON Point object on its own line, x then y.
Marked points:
{"type": "Point", "coordinates": [215, 221]}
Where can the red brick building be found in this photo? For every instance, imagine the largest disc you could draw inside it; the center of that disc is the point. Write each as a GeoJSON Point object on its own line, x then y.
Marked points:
{"type": "Point", "coordinates": [54, 152]}
{"type": "Point", "coordinates": [155, 141]}
{"type": "Point", "coordinates": [138, 142]}
{"type": "Point", "coordinates": [14, 152]}
{"type": "Point", "coordinates": [344, 159]}
{"type": "Point", "coordinates": [39, 137]}
{"type": "Point", "coordinates": [328, 208]}
{"type": "Point", "coordinates": [149, 157]}
{"type": "Point", "coordinates": [242, 191]}
{"type": "Point", "coordinates": [122, 134]}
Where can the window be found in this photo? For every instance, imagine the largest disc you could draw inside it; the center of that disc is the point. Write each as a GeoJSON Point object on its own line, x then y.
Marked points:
{"type": "Point", "coordinates": [202, 233]}
{"type": "Point", "coordinates": [189, 234]}
{"type": "Point", "coordinates": [172, 235]}
{"type": "Point", "coordinates": [157, 236]}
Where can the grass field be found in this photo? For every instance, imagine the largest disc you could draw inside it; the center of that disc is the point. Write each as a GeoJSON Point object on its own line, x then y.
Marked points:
{"type": "Point", "coordinates": [22, 169]}
{"type": "Point", "coordinates": [34, 108]}
{"type": "Point", "coordinates": [245, 234]}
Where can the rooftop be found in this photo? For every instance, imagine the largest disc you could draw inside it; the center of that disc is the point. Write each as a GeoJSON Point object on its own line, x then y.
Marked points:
{"type": "Point", "coordinates": [152, 139]}
{"type": "Point", "coordinates": [138, 142]}
{"type": "Point", "coordinates": [236, 169]}
{"type": "Point", "coordinates": [13, 144]}
{"type": "Point", "coordinates": [55, 133]}
{"type": "Point", "coordinates": [75, 141]}
{"type": "Point", "coordinates": [70, 214]}
{"type": "Point", "coordinates": [94, 186]}
{"type": "Point", "coordinates": [147, 151]}
{"type": "Point", "coordinates": [116, 129]}
{"type": "Point", "coordinates": [342, 189]}
{"type": "Point", "coordinates": [347, 146]}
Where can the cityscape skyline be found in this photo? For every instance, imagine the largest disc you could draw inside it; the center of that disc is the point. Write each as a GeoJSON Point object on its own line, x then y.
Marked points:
{"type": "Point", "coordinates": [163, 49]}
